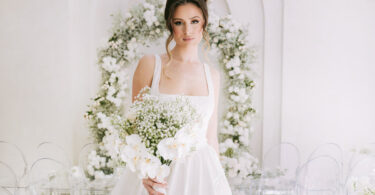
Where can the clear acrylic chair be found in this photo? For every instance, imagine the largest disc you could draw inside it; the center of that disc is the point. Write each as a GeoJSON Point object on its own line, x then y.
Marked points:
{"type": "Point", "coordinates": [357, 156]}
{"type": "Point", "coordinates": [83, 162]}
{"type": "Point", "coordinates": [319, 176]}
{"type": "Point", "coordinates": [13, 167]}
{"type": "Point", "coordinates": [83, 154]}
{"type": "Point", "coordinates": [361, 177]}
{"type": "Point", "coordinates": [335, 151]}
{"type": "Point", "coordinates": [329, 149]}
{"type": "Point", "coordinates": [8, 179]}
{"type": "Point", "coordinates": [49, 175]}
{"type": "Point", "coordinates": [5, 191]}
{"type": "Point", "coordinates": [53, 151]}
{"type": "Point", "coordinates": [279, 169]}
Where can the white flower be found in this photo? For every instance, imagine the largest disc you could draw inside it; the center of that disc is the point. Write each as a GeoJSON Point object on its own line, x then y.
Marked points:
{"type": "Point", "coordinates": [90, 170]}
{"type": "Point", "coordinates": [99, 174]}
{"type": "Point", "coordinates": [229, 35]}
{"type": "Point", "coordinates": [105, 122]}
{"type": "Point", "coordinates": [129, 155]}
{"type": "Point", "coordinates": [232, 173]}
{"type": "Point", "coordinates": [109, 64]}
{"type": "Point", "coordinates": [244, 138]}
{"type": "Point", "coordinates": [127, 15]}
{"type": "Point", "coordinates": [112, 144]}
{"type": "Point", "coordinates": [112, 77]}
{"type": "Point", "coordinates": [131, 116]}
{"type": "Point", "coordinates": [129, 53]}
{"type": "Point", "coordinates": [168, 148]}
{"type": "Point", "coordinates": [149, 165]}
{"type": "Point", "coordinates": [76, 172]}
{"type": "Point", "coordinates": [148, 6]}
{"type": "Point", "coordinates": [94, 159]}
{"type": "Point", "coordinates": [150, 18]}
{"type": "Point", "coordinates": [162, 172]}
{"type": "Point", "coordinates": [214, 21]}
{"type": "Point", "coordinates": [133, 152]}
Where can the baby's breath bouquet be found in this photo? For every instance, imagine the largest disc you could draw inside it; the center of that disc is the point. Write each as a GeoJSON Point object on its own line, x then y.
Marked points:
{"type": "Point", "coordinates": [158, 132]}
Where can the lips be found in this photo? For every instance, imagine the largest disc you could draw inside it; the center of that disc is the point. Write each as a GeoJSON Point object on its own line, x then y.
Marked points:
{"type": "Point", "coordinates": [188, 39]}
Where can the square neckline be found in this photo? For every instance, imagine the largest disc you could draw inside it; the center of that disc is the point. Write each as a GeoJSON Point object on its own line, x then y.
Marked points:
{"type": "Point", "coordinates": [158, 62]}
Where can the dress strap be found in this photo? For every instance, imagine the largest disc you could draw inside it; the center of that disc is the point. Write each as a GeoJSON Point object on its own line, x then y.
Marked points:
{"type": "Point", "coordinates": [156, 77]}
{"type": "Point", "coordinates": [209, 80]}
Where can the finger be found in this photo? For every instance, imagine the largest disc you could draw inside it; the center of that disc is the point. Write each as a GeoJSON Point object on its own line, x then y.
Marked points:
{"type": "Point", "coordinates": [154, 184]}
{"type": "Point", "coordinates": [151, 191]}
{"type": "Point", "coordinates": [146, 184]}
{"type": "Point", "coordinates": [156, 181]}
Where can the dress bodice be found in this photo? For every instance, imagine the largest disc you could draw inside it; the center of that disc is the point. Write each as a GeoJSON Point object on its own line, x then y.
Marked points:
{"type": "Point", "coordinates": [203, 104]}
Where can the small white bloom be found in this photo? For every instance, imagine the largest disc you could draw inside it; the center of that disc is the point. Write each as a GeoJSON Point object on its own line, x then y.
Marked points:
{"type": "Point", "coordinates": [131, 116]}
{"type": "Point", "coordinates": [99, 175]}
{"type": "Point", "coordinates": [127, 15]}
{"type": "Point", "coordinates": [109, 64]}
{"type": "Point", "coordinates": [90, 170]}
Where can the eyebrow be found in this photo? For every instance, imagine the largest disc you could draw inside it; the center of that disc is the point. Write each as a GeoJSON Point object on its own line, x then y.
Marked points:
{"type": "Point", "coordinates": [182, 19]}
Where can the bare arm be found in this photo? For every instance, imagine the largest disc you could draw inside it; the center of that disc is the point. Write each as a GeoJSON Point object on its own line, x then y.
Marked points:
{"type": "Point", "coordinates": [143, 77]}
{"type": "Point", "coordinates": [212, 126]}
{"type": "Point", "coordinates": [143, 74]}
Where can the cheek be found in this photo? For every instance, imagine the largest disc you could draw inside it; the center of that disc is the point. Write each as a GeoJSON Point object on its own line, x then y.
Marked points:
{"type": "Point", "coordinates": [199, 29]}
{"type": "Point", "coordinates": [176, 31]}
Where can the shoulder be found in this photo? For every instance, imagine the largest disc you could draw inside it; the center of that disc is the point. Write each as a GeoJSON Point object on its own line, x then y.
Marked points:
{"type": "Point", "coordinates": [145, 70]}
{"type": "Point", "coordinates": [146, 63]}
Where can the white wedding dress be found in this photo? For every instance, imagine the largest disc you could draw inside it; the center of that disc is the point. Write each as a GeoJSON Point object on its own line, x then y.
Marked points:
{"type": "Point", "coordinates": [201, 172]}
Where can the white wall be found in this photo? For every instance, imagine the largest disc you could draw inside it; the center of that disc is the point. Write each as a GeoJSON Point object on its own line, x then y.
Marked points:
{"type": "Point", "coordinates": [328, 83]}
{"type": "Point", "coordinates": [48, 70]}
{"type": "Point", "coordinates": [36, 95]}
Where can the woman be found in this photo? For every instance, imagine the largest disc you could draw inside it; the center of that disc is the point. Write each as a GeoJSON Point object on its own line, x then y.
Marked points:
{"type": "Point", "coordinates": [180, 72]}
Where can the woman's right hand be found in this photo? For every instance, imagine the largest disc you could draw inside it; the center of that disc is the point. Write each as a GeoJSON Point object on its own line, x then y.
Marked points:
{"type": "Point", "coordinates": [150, 183]}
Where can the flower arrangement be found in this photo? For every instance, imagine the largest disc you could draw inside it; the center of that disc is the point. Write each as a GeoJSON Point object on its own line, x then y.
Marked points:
{"type": "Point", "coordinates": [158, 133]}
{"type": "Point", "coordinates": [142, 25]}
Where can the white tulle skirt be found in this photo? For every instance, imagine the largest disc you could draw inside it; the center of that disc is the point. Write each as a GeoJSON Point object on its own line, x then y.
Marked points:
{"type": "Point", "coordinates": [199, 174]}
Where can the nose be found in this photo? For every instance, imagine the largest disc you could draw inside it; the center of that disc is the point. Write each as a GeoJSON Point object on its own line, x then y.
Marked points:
{"type": "Point", "coordinates": [187, 29]}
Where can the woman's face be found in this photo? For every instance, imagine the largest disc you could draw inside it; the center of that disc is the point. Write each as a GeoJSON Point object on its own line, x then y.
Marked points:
{"type": "Point", "coordinates": [187, 24]}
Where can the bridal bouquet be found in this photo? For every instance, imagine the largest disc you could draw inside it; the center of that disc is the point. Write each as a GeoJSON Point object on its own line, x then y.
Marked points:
{"type": "Point", "coordinates": [157, 133]}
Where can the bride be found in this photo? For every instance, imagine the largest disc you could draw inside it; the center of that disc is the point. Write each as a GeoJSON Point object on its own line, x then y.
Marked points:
{"type": "Point", "coordinates": [180, 72]}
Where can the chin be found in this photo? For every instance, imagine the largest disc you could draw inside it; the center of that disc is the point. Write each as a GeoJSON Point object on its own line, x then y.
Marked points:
{"type": "Point", "coordinates": [183, 43]}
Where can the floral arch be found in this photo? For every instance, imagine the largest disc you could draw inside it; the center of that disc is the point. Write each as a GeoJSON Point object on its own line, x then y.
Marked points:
{"type": "Point", "coordinates": [142, 25]}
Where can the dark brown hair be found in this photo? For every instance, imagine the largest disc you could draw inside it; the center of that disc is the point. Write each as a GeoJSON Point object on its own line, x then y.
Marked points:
{"type": "Point", "coordinates": [171, 7]}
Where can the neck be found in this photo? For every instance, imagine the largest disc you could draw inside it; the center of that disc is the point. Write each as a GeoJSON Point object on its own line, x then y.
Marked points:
{"type": "Point", "coordinates": [185, 54]}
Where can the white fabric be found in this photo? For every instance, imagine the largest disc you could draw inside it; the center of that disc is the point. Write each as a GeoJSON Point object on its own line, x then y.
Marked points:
{"type": "Point", "coordinates": [201, 172]}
